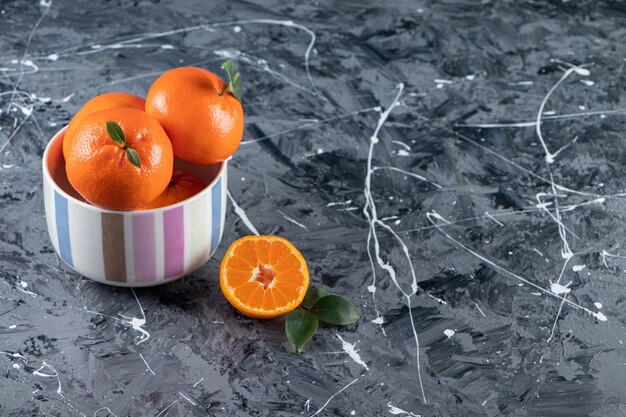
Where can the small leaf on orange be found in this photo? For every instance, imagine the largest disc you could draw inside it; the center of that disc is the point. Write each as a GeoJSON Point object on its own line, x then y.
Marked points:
{"type": "Point", "coordinates": [116, 133]}
{"type": "Point", "coordinates": [133, 157]}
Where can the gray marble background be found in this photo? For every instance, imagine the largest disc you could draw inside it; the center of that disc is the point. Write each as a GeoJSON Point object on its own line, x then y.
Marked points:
{"type": "Point", "coordinates": [397, 144]}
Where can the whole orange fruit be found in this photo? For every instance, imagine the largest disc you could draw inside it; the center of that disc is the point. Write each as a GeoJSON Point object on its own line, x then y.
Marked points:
{"type": "Point", "coordinates": [121, 159]}
{"type": "Point", "coordinates": [102, 102]}
{"type": "Point", "coordinates": [203, 120]}
{"type": "Point", "coordinates": [183, 185]}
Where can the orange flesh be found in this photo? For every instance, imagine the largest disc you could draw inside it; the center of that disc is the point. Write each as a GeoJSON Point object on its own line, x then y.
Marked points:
{"type": "Point", "coordinates": [264, 276]}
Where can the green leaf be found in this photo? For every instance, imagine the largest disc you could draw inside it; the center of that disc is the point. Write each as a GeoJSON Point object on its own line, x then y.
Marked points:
{"type": "Point", "coordinates": [133, 157]}
{"type": "Point", "coordinates": [312, 296]}
{"type": "Point", "coordinates": [229, 67]}
{"type": "Point", "coordinates": [336, 310]}
{"type": "Point", "coordinates": [116, 133]}
{"type": "Point", "coordinates": [234, 79]}
{"type": "Point", "coordinates": [236, 88]}
{"type": "Point", "coordinates": [300, 327]}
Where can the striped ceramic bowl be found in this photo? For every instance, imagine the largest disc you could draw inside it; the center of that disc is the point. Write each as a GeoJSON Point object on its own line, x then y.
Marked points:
{"type": "Point", "coordinates": [133, 248]}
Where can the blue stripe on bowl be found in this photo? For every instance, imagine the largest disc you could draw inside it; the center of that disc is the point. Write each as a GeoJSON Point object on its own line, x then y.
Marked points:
{"type": "Point", "coordinates": [63, 228]}
{"type": "Point", "coordinates": [216, 215]}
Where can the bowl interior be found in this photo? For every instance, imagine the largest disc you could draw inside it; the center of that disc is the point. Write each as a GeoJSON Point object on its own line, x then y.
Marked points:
{"type": "Point", "coordinates": [56, 167]}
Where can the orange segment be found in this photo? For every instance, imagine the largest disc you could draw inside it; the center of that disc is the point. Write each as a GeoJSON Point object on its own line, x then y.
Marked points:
{"type": "Point", "coordinates": [245, 291]}
{"type": "Point", "coordinates": [240, 264]}
{"type": "Point", "coordinates": [247, 251]}
{"type": "Point", "coordinates": [263, 276]}
{"type": "Point", "coordinates": [263, 251]}
{"type": "Point", "coordinates": [277, 251]}
{"type": "Point", "coordinates": [279, 296]}
{"type": "Point", "coordinates": [287, 263]}
{"type": "Point", "coordinates": [237, 278]}
{"type": "Point", "coordinates": [268, 301]}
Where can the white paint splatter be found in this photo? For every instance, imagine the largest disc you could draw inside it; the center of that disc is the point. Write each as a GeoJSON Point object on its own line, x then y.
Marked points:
{"type": "Point", "coordinates": [598, 305]}
{"type": "Point", "coordinates": [402, 152]}
{"type": "Point", "coordinates": [289, 219]}
{"type": "Point", "coordinates": [499, 223]}
{"type": "Point", "coordinates": [558, 289]}
{"type": "Point", "coordinates": [601, 113]}
{"type": "Point", "coordinates": [22, 288]}
{"type": "Point", "coordinates": [411, 174]}
{"type": "Point", "coordinates": [107, 409]}
{"type": "Point", "coordinates": [242, 214]}
{"type": "Point", "coordinates": [166, 408]}
{"type": "Point", "coordinates": [137, 323]}
{"type": "Point", "coordinates": [449, 333]}
{"type": "Point", "coordinates": [379, 320]}
{"type": "Point", "coordinates": [147, 365]}
{"type": "Point", "coordinates": [134, 322]}
{"type": "Point", "coordinates": [350, 349]}
{"type": "Point", "coordinates": [550, 157]}
{"type": "Point", "coordinates": [54, 374]}
{"type": "Point", "coordinates": [339, 203]}
{"type": "Point", "coordinates": [578, 268]}
{"type": "Point", "coordinates": [398, 411]}
{"type": "Point", "coordinates": [404, 145]}
{"type": "Point", "coordinates": [333, 396]}
{"type": "Point", "coordinates": [478, 307]}
{"type": "Point", "coordinates": [15, 355]}
{"type": "Point", "coordinates": [187, 398]}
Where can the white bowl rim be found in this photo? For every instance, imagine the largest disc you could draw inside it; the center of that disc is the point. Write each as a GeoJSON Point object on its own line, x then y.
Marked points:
{"type": "Point", "coordinates": [48, 177]}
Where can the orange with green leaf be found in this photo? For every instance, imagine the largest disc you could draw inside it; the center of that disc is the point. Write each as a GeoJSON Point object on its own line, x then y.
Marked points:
{"type": "Point", "coordinates": [120, 159]}
{"type": "Point", "coordinates": [101, 102]}
{"type": "Point", "coordinates": [201, 114]}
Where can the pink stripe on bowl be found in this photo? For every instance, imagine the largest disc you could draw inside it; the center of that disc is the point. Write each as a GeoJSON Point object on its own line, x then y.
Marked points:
{"type": "Point", "coordinates": [144, 251]}
{"type": "Point", "coordinates": [174, 237]}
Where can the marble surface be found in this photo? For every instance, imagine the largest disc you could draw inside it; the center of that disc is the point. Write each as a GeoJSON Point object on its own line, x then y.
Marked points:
{"type": "Point", "coordinates": [455, 168]}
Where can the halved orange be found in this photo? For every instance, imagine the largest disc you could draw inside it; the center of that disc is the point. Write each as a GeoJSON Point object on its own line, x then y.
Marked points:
{"type": "Point", "coordinates": [264, 276]}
